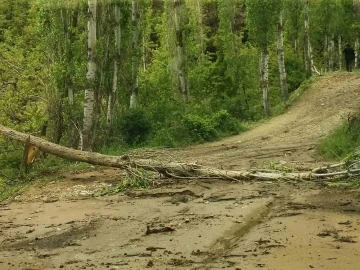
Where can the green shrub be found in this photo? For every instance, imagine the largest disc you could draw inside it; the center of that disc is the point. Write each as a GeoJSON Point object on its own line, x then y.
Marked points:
{"type": "Point", "coordinates": [135, 127]}
{"type": "Point", "coordinates": [200, 129]}
{"type": "Point", "coordinates": [170, 136]}
{"type": "Point", "coordinates": [224, 123]}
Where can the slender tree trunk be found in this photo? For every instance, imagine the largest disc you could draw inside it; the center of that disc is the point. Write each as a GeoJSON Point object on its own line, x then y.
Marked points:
{"type": "Point", "coordinates": [307, 45]}
{"type": "Point", "coordinates": [281, 59]}
{"type": "Point", "coordinates": [70, 84]}
{"type": "Point", "coordinates": [72, 128]}
{"type": "Point", "coordinates": [357, 44]}
{"type": "Point", "coordinates": [326, 53]}
{"type": "Point", "coordinates": [135, 54]}
{"type": "Point", "coordinates": [143, 53]}
{"type": "Point", "coordinates": [264, 80]}
{"type": "Point", "coordinates": [112, 94]}
{"type": "Point", "coordinates": [201, 28]}
{"type": "Point", "coordinates": [332, 53]}
{"type": "Point", "coordinates": [339, 53]}
{"type": "Point", "coordinates": [180, 59]}
{"type": "Point", "coordinates": [89, 101]}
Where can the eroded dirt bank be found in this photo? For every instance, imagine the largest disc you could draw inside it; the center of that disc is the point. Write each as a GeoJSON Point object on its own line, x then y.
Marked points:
{"type": "Point", "coordinates": [211, 224]}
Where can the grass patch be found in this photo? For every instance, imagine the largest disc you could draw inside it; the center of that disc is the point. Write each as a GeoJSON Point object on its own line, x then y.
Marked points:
{"type": "Point", "coordinates": [10, 189]}
{"type": "Point", "coordinates": [40, 173]}
{"type": "Point", "coordinates": [350, 184]}
{"type": "Point", "coordinates": [305, 85]}
{"type": "Point", "coordinates": [340, 144]}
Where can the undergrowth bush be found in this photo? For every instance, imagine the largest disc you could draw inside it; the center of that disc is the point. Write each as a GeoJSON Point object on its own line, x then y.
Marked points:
{"type": "Point", "coordinates": [225, 124]}
{"type": "Point", "coordinates": [134, 126]}
{"type": "Point", "coordinates": [342, 141]}
{"type": "Point", "coordinates": [199, 128]}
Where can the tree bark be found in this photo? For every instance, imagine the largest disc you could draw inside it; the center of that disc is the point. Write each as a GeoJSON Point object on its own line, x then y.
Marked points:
{"type": "Point", "coordinates": [89, 102]}
{"type": "Point", "coordinates": [264, 80]}
{"type": "Point", "coordinates": [332, 53]}
{"type": "Point", "coordinates": [357, 45]}
{"type": "Point", "coordinates": [326, 53]}
{"type": "Point", "coordinates": [180, 59]}
{"type": "Point", "coordinates": [339, 52]}
{"type": "Point", "coordinates": [281, 59]}
{"type": "Point", "coordinates": [112, 94]}
{"type": "Point", "coordinates": [201, 28]}
{"type": "Point", "coordinates": [307, 45]}
{"type": "Point", "coordinates": [135, 54]}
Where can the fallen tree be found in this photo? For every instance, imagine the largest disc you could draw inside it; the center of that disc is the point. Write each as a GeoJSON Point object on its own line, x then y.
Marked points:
{"type": "Point", "coordinates": [179, 169]}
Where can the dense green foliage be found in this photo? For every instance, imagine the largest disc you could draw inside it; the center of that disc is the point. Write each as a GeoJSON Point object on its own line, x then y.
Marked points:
{"type": "Point", "coordinates": [43, 66]}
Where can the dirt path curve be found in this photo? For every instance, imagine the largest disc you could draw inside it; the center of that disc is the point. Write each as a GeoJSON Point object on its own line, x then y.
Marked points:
{"type": "Point", "coordinates": [210, 224]}
{"type": "Point", "coordinates": [292, 136]}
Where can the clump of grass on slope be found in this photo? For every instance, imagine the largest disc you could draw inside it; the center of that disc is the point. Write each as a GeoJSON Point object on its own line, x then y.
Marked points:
{"type": "Point", "coordinates": [342, 142]}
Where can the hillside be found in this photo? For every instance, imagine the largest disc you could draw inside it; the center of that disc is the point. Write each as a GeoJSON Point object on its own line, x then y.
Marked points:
{"type": "Point", "coordinates": [290, 137]}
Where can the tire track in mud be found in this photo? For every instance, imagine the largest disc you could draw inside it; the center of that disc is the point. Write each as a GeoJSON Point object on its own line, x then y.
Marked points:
{"type": "Point", "coordinates": [233, 236]}
{"type": "Point", "coordinates": [55, 239]}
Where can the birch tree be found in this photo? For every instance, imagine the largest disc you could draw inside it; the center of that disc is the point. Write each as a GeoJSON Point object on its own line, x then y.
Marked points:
{"type": "Point", "coordinates": [135, 54]}
{"type": "Point", "coordinates": [357, 27]}
{"type": "Point", "coordinates": [262, 18]}
{"type": "Point", "coordinates": [281, 58]}
{"type": "Point", "coordinates": [180, 50]}
{"type": "Point", "coordinates": [294, 10]}
{"type": "Point", "coordinates": [307, 44]}
{"type": "Point", "coordinates": [112, 94]}
{"type": "Point", "coordinates": [89, 101]}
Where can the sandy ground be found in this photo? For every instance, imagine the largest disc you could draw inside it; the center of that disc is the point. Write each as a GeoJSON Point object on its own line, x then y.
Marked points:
{"type": "Point", "coordinates": [201, 224]}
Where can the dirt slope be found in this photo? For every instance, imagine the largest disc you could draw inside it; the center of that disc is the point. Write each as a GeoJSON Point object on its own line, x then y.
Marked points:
{"type": "Point", "coordinates": [293, 135]}
{"type": "Point", "coordinates": [214, 224]}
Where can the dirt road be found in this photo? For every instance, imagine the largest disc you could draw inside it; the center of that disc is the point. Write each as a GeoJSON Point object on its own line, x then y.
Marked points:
{"type": "Point", "coordinates": [201, 224]}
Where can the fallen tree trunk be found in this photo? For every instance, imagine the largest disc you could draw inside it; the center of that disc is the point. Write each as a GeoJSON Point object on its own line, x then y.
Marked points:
{"type": "Point", "coordinates": [170, 169]}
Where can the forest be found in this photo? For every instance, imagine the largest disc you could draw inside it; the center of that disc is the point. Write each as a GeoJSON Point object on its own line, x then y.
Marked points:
{"type": "Point", "coordinates": [107, 75]}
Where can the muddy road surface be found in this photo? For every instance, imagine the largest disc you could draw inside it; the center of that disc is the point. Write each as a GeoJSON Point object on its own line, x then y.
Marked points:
{"type": "Point", "coordinates": [201, 224]}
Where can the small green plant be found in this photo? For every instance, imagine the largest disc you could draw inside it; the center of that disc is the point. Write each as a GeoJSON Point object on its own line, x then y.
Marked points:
{"type": "Point", "coordinates": [351, 184]}
{"type": "Point", "coordinates": [278, 167]}
{"type": "Point", "coordinates": [138, 179]}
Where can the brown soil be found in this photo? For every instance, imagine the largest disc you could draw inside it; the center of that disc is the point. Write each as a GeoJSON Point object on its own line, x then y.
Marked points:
{"type": "Point", "coordinates": [201, 224]}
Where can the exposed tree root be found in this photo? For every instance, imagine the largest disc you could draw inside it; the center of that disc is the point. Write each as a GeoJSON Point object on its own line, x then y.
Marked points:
{"type": "Point", "coordinates": [184, 170]}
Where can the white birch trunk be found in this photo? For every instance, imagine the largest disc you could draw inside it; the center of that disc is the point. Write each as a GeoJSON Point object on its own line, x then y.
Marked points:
{"type": "Point", "coordinates": [180, 59]}
{"type": "Point", "coordinates": [89, 101]}
{"type": "Point", "coordinates": [112, 94]}
{"type": "Point", "coordinates": [326, 53]}
{"type": "Point", "coordinates": [264, 80]}
{"type": "Point", "coordinates": [144, 54]}
{"type": "Point", "coordinates": [201, 30]}
{"type": "Point", "coordinates": [281, 59]}
{"type": "Point", "coordinates": [307, 45]}
{"type": "Point", "coordinates": [332, 53]}
{"type": "Point", "coordinates": [357, 43]}
{"type": "Point", "coordinates": [135, 54]}
{"type": "Point", "coordinates": [71, 95]}
{"type": "Point", "coordinates": [339, 53]}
